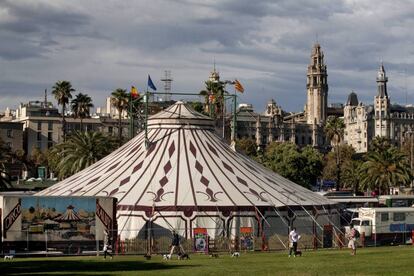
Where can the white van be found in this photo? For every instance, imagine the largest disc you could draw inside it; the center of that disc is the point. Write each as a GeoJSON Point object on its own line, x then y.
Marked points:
{"type": "Point", "coordinates": [385, 225]}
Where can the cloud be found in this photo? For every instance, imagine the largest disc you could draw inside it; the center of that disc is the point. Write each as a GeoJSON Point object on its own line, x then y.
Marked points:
{"type": "Point", "coordinates": [102, 45]}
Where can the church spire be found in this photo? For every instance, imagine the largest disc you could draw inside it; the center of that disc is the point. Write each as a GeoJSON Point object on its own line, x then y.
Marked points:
{"type": "Point", "coordinates": [382, 80]}
{"type": "Point", "coordinates": [317, 87]}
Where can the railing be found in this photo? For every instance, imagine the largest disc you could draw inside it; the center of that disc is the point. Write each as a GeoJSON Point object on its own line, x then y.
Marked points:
{"type": "Point", "coordinates": [157, 241]}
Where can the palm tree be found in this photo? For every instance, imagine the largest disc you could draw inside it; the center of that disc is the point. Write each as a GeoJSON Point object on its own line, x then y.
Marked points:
{"type": "Point", "coordinates": [334, 130]}
{"type": "Point", "coordinates": [81, 106]}
{"type": "Point", "coordinates": [119, 100]}
{"type": "Point", "coordinates": [351, 174]}
{"type": "Point", "coordinates": [81, 150]}
{"type": "Point", "coordinates": [384, 169]}
{"type": "Point", "coordinates": [217, 91]}
{"type": "Point", "coordinates": [62, 90]}
{"type": "Point", "coordinates": [380, 144]}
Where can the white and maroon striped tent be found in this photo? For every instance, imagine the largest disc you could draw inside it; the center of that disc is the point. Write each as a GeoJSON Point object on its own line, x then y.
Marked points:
{"type": "Point", "coordinates": [187, 177]}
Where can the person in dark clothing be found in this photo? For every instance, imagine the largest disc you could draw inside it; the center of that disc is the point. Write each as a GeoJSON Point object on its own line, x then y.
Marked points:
{"type": "Point", "coordinates": [175, 243]}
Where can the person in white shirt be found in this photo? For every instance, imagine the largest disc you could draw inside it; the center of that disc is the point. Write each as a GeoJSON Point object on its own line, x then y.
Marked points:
{"type": "Point", "coordinates": [293, 242]}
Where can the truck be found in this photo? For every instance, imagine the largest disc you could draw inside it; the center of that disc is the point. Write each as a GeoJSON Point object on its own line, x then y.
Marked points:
{"type": "Point", "coordinates": [385, 225]}
{"type": "Point", "coordinates": [54, 224]}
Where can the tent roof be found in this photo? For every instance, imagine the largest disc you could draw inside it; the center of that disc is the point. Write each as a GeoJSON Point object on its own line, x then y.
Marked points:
{"type": "Point", "coordinates": [186, 167]}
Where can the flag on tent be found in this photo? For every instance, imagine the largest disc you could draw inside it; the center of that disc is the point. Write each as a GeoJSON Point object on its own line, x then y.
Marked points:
{"type": "Point", "coordinates": [151, 84]}
{"type": "Point", "coordinates": [238, 86]}
{"type": "Point", "coordinates": [134, 92]}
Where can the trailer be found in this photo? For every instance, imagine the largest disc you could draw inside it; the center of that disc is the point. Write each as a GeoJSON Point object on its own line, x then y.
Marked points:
{"type": "Point", "coordinates": [385, 225]}
{"type": "Point", "coordinates": [396, 200]}
{"type": "Point", "coordinates": [57, 225]}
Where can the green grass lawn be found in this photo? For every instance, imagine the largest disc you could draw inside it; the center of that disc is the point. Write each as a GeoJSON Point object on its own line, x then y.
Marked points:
{"type": "Point", "coordinates": [371, 261]}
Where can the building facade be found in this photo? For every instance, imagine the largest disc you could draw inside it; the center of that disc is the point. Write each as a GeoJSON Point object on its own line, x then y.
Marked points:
{"type": "Point", "coordinates": [42, 125]}
{"type": "Point", "coordinates": [11, 133]}
{"type": "Point", "coordinates": [302, 128]}
{"type": "Point", "coordinates": [382, 119]}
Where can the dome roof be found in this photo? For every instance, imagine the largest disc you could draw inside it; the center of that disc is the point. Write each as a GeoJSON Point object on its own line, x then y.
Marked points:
{"type": "Point", "coordinates": [180, 115]}
{"type": "Point", "coordinates": [352, 99]}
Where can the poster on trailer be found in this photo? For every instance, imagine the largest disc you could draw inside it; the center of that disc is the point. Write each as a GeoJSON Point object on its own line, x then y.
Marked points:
{"type": "Point", "coordinates": [246, 238]}
{"type": "Point", "coordinates": [200, 240]}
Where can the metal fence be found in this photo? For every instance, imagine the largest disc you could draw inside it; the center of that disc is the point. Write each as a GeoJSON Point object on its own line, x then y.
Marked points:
{"type": "Point", "coordinates": [156, 241]}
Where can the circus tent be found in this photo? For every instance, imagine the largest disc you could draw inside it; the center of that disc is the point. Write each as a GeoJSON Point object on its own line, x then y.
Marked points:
{"type": "Point", "coordinates": [69, 215]}
{"type": "Point", "coordinates": [188, 177]}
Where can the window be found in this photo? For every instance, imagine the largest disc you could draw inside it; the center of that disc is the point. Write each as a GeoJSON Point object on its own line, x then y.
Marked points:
{"type": "Point", "coordinates": [49, 144]}
{"type": "Point", "coordinates": [365, 223]}
{"type": "Point", "coordinates": [399, 216]}
{"type": "Point", "coordinates": [384, 217]}
{"type": "Point", "coordinates": [50, 125]}
{"type": "Point", "coordinates": [50, 136]}
{"type": "Point", "coordinates": [39, 136]}
{"type": "Point", "coordinates": [39, 125]}
{"type": "Point", "coordinates": [110, 130]}
{"type": "Point", "coordinates": [9, 133]}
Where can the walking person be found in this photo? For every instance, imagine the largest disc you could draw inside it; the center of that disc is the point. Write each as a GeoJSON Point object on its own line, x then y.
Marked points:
{"type": "Point", "coordinates": [352, 235]}
{"type": "Point", "coordinates": [175, 243]}
{"type": "Point", "coordinates": [106, 244]}
{"type": "Point", "coordinates": [293, 242]}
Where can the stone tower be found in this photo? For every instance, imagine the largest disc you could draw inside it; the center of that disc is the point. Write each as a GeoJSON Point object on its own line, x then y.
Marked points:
{"type": "Point", "coordinates": [382, 105]}
{"type": "Point", "coordinates": [317, 88]}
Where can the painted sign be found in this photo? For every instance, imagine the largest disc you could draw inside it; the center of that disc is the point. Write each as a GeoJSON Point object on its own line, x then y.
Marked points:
{"type": "Point", "coordinates": [246, 238]}
{"type": "Point", "coordinates": [103, 216]}
{"type": "Point", "coordinates": [200, 240]}
{"type": "Point", "coordinates": [12, 217]}
{"type": "Point", "coordinates": [69, 218]}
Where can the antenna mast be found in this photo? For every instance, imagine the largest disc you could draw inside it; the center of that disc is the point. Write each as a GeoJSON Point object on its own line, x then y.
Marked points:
{"type": "Point", "coordinates": [167, 85]}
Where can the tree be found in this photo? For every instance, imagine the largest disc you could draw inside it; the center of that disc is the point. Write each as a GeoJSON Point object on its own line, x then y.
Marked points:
{"type": "Point", "coordinates": [62, 90]}
{"type": "Point", "coordinates": [197, 106]}
{"type": "Point", "coordinates": [312, 165]}
{"type": "Point", "coordinates": [119, 100]}
{"type": "Point", "coordinates": [246, 146]}
{"type": "Point", "coordinates": [379, 144]}
{"type": "Point", "coordinates": [5, 159]}
{"type": "Point", "coordinates": [81, 150]}
{"type": "Point", "coordinates": [384, 169]}
{"type": "Point", "coordinates": [213, 96]}
{"type": "Point", "coordinates": [334, 130]}
{"type": "Point", "coordinates": [38, 158]}
{"type": "Point", "coordinates": [330, 168]}
{"type": "Point", "coordinates": [302, 167]}
{"type": "Point", "coordinates": [351, 174]}
{"type": "Point", "coordinates": [81, 106]}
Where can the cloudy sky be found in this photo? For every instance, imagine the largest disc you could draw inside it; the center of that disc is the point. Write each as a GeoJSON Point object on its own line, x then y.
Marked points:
{"type": "Point", "coordinates": [101, 45]}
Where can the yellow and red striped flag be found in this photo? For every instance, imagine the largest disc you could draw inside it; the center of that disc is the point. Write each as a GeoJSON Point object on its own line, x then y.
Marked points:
{"type": "Point", "coordinates": [238, 86]}
{"type": "Point", "coordinates": [134, 92]}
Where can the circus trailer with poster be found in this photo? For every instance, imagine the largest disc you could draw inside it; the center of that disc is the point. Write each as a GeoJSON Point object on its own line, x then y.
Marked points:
{"type": "Point", "coordinates": [68, 224]}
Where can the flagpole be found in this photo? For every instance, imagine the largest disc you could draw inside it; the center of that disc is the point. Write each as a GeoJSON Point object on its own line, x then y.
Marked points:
{"type": "Point", "coordinates": [224, 111]}
{"type": "Point", "coordinates": [233, 131]}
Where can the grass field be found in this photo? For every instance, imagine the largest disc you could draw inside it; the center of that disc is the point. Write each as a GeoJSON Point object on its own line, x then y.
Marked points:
{"type": "Point", "coordinates": [370, 261]}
